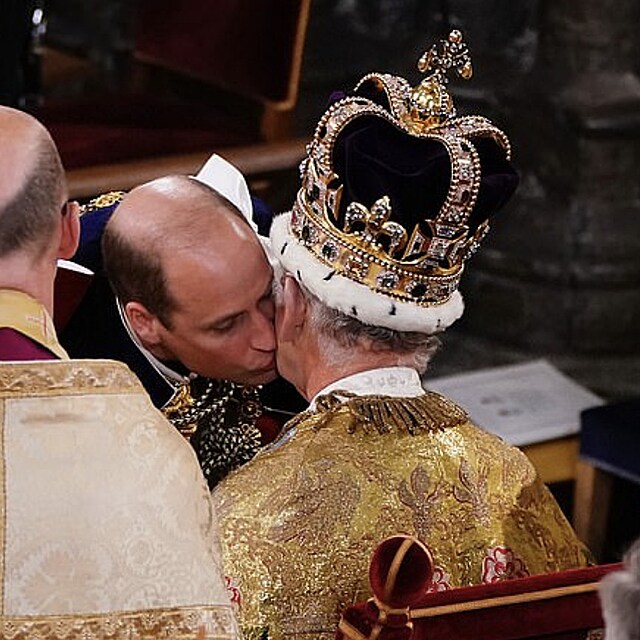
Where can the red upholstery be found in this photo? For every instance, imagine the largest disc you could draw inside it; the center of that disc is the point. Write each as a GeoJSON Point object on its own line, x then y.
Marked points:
{"type": "Point", "coordinates": [122, 127]}
{"type": "Point", "coordinates": [226, 76]}
{"type": "Point", "coordinates": [244, 46]}
{"type": "Point", "coordinates": [557, 605]}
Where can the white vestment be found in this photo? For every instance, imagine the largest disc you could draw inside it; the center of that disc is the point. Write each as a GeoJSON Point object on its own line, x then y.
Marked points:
{"type": "Point", "coordinates": [107, 526]}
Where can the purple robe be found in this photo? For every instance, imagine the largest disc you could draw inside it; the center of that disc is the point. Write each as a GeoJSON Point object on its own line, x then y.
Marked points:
{"type": "Point", "coordinates": [16, 346]}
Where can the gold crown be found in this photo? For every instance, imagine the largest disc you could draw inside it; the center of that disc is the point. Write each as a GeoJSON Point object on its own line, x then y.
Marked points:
{"type": "Point", "coordinates": [422, 264]}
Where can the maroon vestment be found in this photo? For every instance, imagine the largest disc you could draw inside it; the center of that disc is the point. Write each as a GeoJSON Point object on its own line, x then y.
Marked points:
{"type": "Point", "coordinates": [16, 346]}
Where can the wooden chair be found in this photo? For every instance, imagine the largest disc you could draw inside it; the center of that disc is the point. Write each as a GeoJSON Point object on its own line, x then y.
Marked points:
{"type": "Point", "coordinates": [609, 448]}
{"type": "Point", "coordinates": [207, 76]}
{"type": "Point", "coordinates": [557, 605]}
{"type": "Point", "coordinates": [248, 48]}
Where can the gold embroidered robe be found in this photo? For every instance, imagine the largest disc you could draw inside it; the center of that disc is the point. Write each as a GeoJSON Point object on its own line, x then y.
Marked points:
{"type": "Point", "coordinates": [300, 521]}
{"type": "Point", "coordinates": [107, 527]}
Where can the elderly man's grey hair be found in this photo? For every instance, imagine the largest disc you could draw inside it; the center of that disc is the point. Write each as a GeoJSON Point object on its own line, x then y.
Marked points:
{"type": "Point", "coordinates": [620, 598]}
{"type": "Point", "coordinates": [338, 334]}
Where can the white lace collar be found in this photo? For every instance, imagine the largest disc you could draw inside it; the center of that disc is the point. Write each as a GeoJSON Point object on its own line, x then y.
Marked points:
{"type": "Point", "coordinates": [390, 381]}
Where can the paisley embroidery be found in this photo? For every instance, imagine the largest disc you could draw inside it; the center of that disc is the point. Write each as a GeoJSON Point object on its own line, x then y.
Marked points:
{"type": "Point", "coordinates": [502, 564]}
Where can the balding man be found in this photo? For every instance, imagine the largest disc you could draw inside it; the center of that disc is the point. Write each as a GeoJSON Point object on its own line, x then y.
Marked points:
{"type": "Point", "coordinates": [37, 226]}
{"type": "Point", "coordinates": [107, 524]}
{"type": "Point", "coordinates": [195, 288]}
{"type": "Point", "coordinates": [192, 314]}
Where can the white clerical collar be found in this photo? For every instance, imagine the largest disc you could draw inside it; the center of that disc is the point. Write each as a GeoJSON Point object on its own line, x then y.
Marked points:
{"type": "Point", "coordinates": [390, 381]}
{"type": "Point", "coordinates": [169, 374]}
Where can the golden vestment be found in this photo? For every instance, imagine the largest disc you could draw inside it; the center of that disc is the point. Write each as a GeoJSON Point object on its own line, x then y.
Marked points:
{"type": "Point", "coordinates": [299, 522]}
{"type": "Point", "coordinates": [107, 526]}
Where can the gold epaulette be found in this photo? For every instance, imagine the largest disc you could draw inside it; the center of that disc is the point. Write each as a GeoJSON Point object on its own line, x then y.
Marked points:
{"type": "Point", "coordinates": [103, 201]}
{"type": "Point", "coordinates": [382, 414]}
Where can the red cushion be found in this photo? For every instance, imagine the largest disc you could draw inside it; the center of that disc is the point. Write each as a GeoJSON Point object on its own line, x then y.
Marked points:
{"type": "Point", "coordinates": [555, 605]}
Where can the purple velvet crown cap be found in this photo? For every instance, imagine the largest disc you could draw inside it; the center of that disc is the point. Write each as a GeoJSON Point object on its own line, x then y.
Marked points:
{"type": "Point", "coordinates": [374, 158]}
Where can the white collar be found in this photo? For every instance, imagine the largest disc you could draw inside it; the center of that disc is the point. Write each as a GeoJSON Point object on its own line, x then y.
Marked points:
{"type": "Point", "coordinates": [166, 372]}
{"type": "Point", "coordinates": [389, 381]}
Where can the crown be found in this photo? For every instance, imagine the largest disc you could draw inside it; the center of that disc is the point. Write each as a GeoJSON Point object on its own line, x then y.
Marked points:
{"type": "Point", "coordinates": [391, 185]}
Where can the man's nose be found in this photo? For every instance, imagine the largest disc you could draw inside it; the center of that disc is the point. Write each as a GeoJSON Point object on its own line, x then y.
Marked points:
{"type": "Point", "coordinates": [263, 336]}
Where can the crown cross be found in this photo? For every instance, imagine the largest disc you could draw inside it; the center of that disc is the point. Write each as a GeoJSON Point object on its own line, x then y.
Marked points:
{"type": "Point", "coordinates": [451, 53]}
{"type": "Point", "coordinates": [373, 225]}
{"type": "Point", "coordinates": [429, 104]}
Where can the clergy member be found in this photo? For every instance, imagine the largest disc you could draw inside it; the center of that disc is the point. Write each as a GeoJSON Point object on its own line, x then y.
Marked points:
{"type": "Point", "coordinates": [107, 526]}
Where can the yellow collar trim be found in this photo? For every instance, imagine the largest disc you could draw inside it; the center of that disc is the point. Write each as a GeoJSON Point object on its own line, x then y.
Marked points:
{"type": "Point", "coordinates": [22, 313]}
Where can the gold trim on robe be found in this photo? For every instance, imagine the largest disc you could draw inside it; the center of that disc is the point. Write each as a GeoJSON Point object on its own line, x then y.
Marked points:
{"type": "Point", "coordinates": [21, 312]}
{"type": "Point", "coordinates": [212, 623]}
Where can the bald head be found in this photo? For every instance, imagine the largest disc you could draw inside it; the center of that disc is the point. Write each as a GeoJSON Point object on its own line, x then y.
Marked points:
{"type": "Point", "coordinates": [167, 217]}
{"type": "Point", "coordinates": [32, 185]}
{"type": "Point", "coordinates": [174, 213]}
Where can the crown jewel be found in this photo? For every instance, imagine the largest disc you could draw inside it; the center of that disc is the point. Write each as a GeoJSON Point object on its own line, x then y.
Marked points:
{"type": "Point", "coordinates": [430, 103]}
{"type": "Point", "coordinates": [416, 258]}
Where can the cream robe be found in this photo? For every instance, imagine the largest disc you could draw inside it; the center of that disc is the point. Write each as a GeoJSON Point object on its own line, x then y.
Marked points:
{"type": "Point", "coordinates": [107, 524]}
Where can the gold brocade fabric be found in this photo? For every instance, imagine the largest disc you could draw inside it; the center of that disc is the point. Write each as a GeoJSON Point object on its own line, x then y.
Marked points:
{"type": "Point", "coordinates": [299, 523]}
{"type": "Point", "coordinates": [106, 524]}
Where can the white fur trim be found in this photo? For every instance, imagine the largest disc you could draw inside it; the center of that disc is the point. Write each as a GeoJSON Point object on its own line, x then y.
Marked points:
{"type": "Point", "coordinates": [354, 299]}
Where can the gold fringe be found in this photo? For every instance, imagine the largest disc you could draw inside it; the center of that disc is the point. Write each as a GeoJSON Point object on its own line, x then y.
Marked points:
{"type": "Point", "coordinates": [384, 414]}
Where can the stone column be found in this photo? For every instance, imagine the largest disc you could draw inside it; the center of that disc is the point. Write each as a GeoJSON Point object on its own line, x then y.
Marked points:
{"type": "Point", "coordinates": [560, 274]}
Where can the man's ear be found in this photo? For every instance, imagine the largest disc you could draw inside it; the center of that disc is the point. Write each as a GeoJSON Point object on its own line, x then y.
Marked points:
{"type": "Point", "coordinates": [70, 236]}
{"type": "Point", "coordinates": [293, 311]}
{"type": "Point", "coordinates": [144, 324]}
